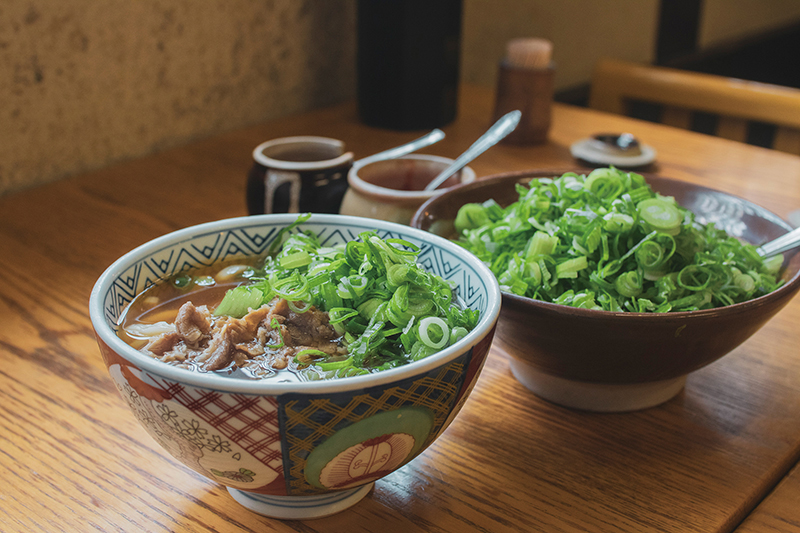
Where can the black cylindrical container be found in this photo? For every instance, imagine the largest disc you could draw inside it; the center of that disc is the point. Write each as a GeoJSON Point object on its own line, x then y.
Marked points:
{"type": "Point", "coordinates": [408, 62]}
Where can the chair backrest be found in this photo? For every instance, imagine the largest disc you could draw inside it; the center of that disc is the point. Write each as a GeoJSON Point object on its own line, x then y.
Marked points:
{"type": "Point", "coordinates": [733, 105]}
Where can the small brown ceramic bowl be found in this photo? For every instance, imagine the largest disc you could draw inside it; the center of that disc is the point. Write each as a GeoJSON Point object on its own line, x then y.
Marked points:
{"type": "Point", "coordinates": [606, 361]}
{"type": "Point", "coordinates": [393, 189]}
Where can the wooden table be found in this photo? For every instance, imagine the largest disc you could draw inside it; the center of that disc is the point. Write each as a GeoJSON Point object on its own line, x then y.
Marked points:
{"type": "Point", "coordinates": [716, 458]}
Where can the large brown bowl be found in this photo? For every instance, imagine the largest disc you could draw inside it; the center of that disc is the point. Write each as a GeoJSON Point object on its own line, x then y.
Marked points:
{"type": "Point", "coordinates": [606, 361]}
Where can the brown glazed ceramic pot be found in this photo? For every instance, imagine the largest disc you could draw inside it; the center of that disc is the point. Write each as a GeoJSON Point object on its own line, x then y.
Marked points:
{"type": "Point", "coordinates": [605, 361]}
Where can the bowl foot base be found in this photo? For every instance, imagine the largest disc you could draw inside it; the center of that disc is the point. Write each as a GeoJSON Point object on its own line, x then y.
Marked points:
{"type": "Point", "coordinates": [597, 397]}
{"type": "Point", "coordinates": [300, 507]}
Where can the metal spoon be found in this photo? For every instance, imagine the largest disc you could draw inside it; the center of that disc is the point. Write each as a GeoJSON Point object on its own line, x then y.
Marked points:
{"type": "Point", "coordinates": [781, 244]}
{"type": "Point", "coordinates": [493, 135]}
{"type": "Point", "coordinates": [404, 149]}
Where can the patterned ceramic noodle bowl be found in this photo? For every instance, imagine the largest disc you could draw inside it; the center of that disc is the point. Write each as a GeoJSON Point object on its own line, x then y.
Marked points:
{"type": "Point", "coordinates": [284, 448]}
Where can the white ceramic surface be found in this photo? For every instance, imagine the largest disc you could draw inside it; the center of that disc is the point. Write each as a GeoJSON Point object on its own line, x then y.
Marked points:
{"type": "Point", "coordinates": [301, 507]}
{"type": "Point", "coordinates": [587, 150]}
{"type": "Point", "coordinates": [327, 153]}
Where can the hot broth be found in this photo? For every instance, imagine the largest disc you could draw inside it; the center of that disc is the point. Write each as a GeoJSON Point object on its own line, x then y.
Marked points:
{"type": "Point", "coordinates": [316, 312]}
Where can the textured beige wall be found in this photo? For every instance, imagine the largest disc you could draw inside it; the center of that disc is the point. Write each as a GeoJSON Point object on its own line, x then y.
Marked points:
{"type": "Point", "coordinates": [582, 31]}
{"type": "Point", "coordinates": [84, 83]}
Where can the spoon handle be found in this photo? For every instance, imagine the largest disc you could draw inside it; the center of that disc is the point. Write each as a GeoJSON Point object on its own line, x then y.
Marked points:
{"type": "Point", "coordinates": [404, 149]}
{"type": "Point", "coordinates": [781, 244]}
{"type": "Point", "coordinates": [493, 135]}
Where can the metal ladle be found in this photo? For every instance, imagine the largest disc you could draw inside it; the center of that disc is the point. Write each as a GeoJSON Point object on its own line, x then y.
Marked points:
{"type": "Point", "coordinates": [493, 135]}
{"type": "Point", "coordinates": [781, 244]}
{"type": "Point", "coordinates": [404, 149]}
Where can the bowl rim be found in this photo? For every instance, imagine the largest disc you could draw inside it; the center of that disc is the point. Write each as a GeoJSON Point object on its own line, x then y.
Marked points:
{"type": "Point", "coordinates": [790, 286]}
{"type": "Point", "coordinates": [356, 182]}
{"type": "Point", "coordinates": [269, 162]}
{"type": "Point", "coordinates": [268, 387]}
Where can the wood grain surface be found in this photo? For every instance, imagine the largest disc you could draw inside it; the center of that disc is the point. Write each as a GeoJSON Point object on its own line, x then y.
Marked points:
{"type": "Point", "coordinates": [780, 511]}
{"type": "Point", "coordinates": [73, 458]}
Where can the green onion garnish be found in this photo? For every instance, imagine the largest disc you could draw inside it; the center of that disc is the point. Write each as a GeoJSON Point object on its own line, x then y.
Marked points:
{"type": "Point", "coordinates": [607, 241]}
{"type": "Point", "coordinates": [388, 310]}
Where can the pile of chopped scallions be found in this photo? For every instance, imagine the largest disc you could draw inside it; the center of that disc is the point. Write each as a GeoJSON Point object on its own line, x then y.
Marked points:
{"type": "Point", "coordinates": [388, 309]}
{"type": "Point", "coordinates": [607, 241]}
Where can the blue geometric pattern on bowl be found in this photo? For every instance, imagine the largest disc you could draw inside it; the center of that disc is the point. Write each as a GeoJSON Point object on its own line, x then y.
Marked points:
{"type": "Point", "coordinates": [204, 249]}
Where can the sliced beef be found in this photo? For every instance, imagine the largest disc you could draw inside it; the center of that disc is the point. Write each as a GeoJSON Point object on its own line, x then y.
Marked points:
{"type": "Point", "coordinates": [163, 343]}
{"type": "Point", "coordinates": [267, 338]}
{"type": "Point", "coordinates": [191, 323]}
{"type": "Point", "coordinates": [310, 328]}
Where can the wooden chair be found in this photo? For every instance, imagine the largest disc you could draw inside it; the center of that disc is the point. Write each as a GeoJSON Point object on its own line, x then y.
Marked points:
{"type": "Point", "coordinates": [733, 105]}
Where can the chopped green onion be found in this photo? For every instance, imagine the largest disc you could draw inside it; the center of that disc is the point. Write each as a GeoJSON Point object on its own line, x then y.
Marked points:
{"type": "Point", "coordinates": [276, 243]}
{"type": "Point", "coordinates": [457, 333]}
{"type": "Point", "coordinates": [239, 300]}
{"type": "Point", "coordinates": [629, 284]}
{"type": "Point", "coordinates": [471, 216]}
{"type": "Point", "coordinates": [661, 215]}
{"type": "Point", "coordinates": [607, 240]}
{"type": "Point", "coordinates": [541, 244]}
{"type": "Point", "coordinates": [428, 327]}
{"type": "Point", "coordinates": [276, 326]}
{"type": "Point", "coordinates": [617, 222]}
{"type": "Point", "coordinates": [297, 309]}
{"type": "Point", "coordinates": [335, 365]}
{"type": "Point", "coordinates": [312, 352]}
{"type": "Point", "coordinates": [375, 293]}
{"type": "Point", "coordinates": [773, 264]}
{"type": "Point", "coordinates": [339, 314]}
{"type": "Point", "coordinates": [295, 260]}
{"type": "Point", "coordinates": [571, 267]}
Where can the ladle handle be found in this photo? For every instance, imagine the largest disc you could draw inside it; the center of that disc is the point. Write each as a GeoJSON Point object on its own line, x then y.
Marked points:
{"type": "Point", "coordinates": [781, 244]}
{"type": "Point", "coordinates": [404, 149]}
{"type": "Point", "coordinates": [493, 135]}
